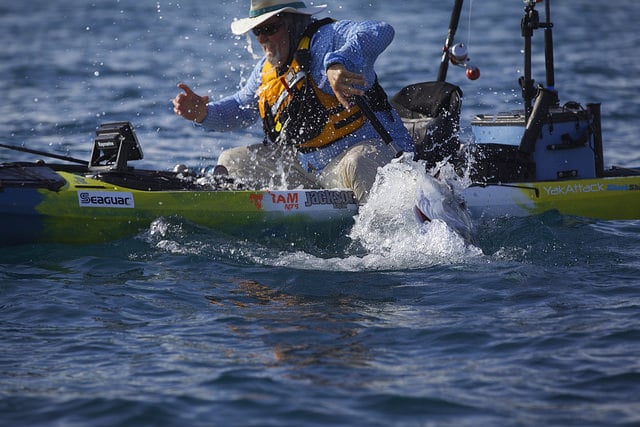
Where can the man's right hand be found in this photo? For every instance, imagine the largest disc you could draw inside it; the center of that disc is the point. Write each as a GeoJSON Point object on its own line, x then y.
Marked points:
{"type": "Point", "coordinates": [190, 105]}
{"type": "Point", "coordinates": [345, 84]}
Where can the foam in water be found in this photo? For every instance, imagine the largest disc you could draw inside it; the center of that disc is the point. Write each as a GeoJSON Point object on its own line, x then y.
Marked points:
{"type": "Point", "coordinates": [387, 229]}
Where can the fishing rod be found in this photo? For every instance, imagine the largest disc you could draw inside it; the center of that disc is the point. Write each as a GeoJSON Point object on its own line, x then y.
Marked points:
{"type": "Point", "coordinates": [455, 53]}
{"type": "Point", "coordinates": [537, 100]}
{"type": "Point", "coordinates": [448, 44]}
{"type": "Point", "coordinates": [548, 47]}
{"type": "Point", "coordinates": [364, 106]}
{"type": "Point", "coordinates": [44, 153]}
{"type": "Point", "coordinates": [530, 23]}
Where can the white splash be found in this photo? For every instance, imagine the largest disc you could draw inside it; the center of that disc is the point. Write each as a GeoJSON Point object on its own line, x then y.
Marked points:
{"type": "Point", "coordinates": [387, 228]}
{"type": "Point", "coordinates": [387, 223]}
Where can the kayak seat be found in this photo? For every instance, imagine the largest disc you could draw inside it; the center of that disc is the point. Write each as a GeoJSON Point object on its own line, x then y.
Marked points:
{"type": "Point", "coordinates": [431, 113]}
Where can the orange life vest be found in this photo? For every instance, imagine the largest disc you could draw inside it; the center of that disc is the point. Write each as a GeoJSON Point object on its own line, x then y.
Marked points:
{"type": "Point", "coordinates": [296, 111]}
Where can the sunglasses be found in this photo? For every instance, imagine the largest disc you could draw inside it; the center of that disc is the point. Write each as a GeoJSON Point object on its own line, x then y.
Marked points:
{"type": "Point", "coordinates": [267, 30]}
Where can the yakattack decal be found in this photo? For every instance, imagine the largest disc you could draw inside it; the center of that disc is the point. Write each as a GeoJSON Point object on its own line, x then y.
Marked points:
{"type": "Point", "coordinates": [288, 200]}
{"type": "Point", "coordinates": [105, 199]}
{"type": "Point", "coordinates": [562, 190]}
{"type": "Point", "coordinates": [339, 199]}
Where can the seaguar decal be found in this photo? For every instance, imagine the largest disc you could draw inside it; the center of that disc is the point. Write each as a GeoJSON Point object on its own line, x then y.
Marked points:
{"type": "Point", "coordinates": [105, 199]}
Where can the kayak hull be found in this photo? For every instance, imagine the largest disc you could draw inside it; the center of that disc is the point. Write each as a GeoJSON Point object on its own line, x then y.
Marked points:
{"type": "Point", "coordinates": [607, 198]}
{"type": "Point", "coordinates": [86, 210]}
{"type": "Point", "coordinates": [68, 207]}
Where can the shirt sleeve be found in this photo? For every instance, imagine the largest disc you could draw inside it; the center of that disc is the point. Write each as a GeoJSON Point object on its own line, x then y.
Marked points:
{"type": "Point", "coordinates": [237, 111]}
{"type": "Point", "coordinates": [356, 45]}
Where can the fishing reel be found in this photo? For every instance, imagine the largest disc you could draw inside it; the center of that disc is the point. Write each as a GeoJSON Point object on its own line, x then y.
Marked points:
{"type": "Point", "coordinates": [459, 56]}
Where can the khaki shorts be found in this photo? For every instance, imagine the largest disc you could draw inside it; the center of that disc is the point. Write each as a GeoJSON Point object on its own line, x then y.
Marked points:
{"type": "Point", "coordinates": [357, 167]}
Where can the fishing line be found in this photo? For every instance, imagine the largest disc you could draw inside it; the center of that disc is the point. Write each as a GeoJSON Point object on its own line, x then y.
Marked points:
{"type": "Point", "coordinates": [469, 25]}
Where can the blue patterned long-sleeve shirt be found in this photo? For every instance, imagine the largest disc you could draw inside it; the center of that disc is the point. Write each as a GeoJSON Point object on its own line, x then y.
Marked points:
{"type": "Point", "coordinates": [356, 45]}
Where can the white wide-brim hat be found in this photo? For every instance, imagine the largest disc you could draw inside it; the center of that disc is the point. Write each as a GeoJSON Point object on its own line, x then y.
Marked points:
{"type": "Point", "coordinates": [262, 10]}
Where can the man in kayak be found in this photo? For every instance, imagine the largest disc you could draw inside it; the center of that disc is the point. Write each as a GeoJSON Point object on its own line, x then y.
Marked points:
{"type": "Point", "coordinates": [304, 90]}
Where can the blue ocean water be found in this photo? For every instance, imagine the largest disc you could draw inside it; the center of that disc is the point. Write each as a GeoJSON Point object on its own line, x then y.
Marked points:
{"type": "Point", "coordinates": [536, 325]}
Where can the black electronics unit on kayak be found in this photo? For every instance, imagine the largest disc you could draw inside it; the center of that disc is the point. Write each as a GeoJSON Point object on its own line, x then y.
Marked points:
{"type": "Point", "coordinates": [115, 144]}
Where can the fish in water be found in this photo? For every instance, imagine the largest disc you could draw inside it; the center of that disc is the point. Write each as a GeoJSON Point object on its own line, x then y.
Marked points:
{"type": "Point", "coordinates": [437, 201]}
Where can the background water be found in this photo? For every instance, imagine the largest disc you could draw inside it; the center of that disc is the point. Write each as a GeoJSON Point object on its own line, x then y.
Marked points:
{"type": "Point", "coordinates": [537, 325]}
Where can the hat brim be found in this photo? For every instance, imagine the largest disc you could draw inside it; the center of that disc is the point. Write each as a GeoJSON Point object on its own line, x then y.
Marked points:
{"type": "Point", "coordinates": [241, 26]}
